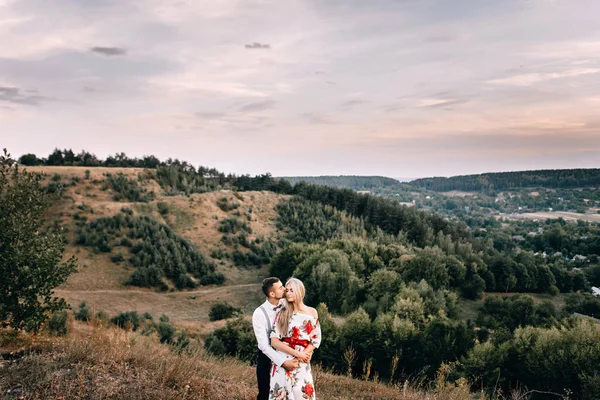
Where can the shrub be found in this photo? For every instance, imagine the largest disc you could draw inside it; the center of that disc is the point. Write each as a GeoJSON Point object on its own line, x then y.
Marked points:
{"type": "Point", "coordinates": [117, 257]}
{"type": "Point", "coordinates": [59, 323]}
{"type": "Point", "coordinates": [163, 208]}
{"type": "Point", "coordinates": [182, 342]}
{"type": "Point", "coordinates": [553, 291]}
{"type": "Point", "coordinates": [127, 320]}
{"type": "Point", "coordinates": [235, 339]}
{"type": "Point", "coordinates": [102, 318]}
{"type": "Point", "coordinates": [233, 225]}
{"type": "Point", "coordinates": [84, 313]}
{"type": "Point", "coordinates": [87, 174]}
{"type": "Point", "coordinates": [128, 189]}
{"type": "Point", "coordinates": [222, 310]}
{"type": "Point", "coordinates": [165, 330]}
{"type": "Point", "coordinates": [225, 205]}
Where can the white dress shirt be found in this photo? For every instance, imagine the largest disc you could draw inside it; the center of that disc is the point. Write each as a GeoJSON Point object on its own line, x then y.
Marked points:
{"type": "Point", "coordinates": [261, 331]}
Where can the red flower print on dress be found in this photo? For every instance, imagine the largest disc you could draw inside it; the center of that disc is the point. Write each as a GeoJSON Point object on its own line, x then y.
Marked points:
{"type": "Point", "coordinates": [308, 327]}
{"type": "Point", "coordinates": [309, 389]}
{"type": "Point", "coordinates": [295, 332]}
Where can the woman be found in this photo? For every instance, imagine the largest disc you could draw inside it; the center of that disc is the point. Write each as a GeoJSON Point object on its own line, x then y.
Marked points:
{"type": "Point", "coordinates": [296, 333]}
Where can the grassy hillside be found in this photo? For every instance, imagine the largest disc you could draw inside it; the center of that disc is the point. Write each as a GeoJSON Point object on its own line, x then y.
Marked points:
{"type": "Point", "coordinates": [100, 363]}
{"type": "Point", "coordinates": [101, 282]}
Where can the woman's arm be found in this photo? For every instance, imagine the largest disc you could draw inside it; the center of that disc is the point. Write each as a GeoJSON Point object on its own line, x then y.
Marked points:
{"type": "Point", "coordinates": [279, 345]}
{"type": "Point", "coordinates": [309, 351]}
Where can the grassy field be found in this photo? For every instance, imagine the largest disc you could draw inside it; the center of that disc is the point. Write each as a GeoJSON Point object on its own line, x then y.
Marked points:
{"type": "Point", "coordinates": [108, 363]}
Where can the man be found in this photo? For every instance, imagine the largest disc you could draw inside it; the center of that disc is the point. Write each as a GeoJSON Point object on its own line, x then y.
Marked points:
{"type": "Point", "coordinates": [262, 322]}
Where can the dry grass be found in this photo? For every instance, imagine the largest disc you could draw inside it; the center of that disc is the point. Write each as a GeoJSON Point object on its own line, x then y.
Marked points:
{"type": "Point", "coordinates": [101, 363]}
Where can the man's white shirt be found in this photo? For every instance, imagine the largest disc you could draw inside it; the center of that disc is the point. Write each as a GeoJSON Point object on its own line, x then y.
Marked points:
{"type": "Point", "coordinates": [261, 331]}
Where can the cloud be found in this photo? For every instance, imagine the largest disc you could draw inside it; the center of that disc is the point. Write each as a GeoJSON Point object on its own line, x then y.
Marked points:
{"type": "Point", "coordinates": [15, 96]}
{"type": "Point", "coordinates": [442, 38]}
{"type": "Point", "coordinates": [441, 103]}
{"type": "Point", "coordinates": [109, 51]}
{"type": "Point", "coordinates": [210, 115]}
{"type": "Point", "coordinates": [319, 118]}
{"type": "Point", "coordinates": [257, 45]}
{"type": "Point", "coordinates": [257, 106]}
{"type": "Point", "coordinates": [352, 103]}
{"type": "Point", "coordinates": [533, 78]}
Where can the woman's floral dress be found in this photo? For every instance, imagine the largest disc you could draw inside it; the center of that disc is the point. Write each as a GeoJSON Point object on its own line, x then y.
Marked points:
{"type": "Point", "coordinates": [297, 384]}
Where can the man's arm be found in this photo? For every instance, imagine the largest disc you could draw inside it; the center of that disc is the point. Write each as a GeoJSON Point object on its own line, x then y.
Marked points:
{"type": "Point", "coordinates": [259, 324]}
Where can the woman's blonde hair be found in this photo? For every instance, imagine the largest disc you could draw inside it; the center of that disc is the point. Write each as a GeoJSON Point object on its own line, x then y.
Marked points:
{"type": "Point", "coordinates": [285, 315]}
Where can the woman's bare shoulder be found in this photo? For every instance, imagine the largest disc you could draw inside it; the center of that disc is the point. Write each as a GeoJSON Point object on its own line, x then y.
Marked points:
{"type": "Point", "coordinates": [312, 311]}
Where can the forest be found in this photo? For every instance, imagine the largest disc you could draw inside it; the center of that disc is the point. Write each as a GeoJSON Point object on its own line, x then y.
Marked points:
{"type": "Point", "coordinates": [554, 178]}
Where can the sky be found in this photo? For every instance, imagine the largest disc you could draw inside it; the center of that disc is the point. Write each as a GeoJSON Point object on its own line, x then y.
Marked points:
{"type": "Point", "coordinates": [400, 88]}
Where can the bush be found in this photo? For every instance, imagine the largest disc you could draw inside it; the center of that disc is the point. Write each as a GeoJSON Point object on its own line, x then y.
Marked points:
{"type": "Point", "coordinates": [117, 257]}
{"type": "Point", "coordinates": [225, 205]}
{"type": "Point", "coordinates": [84, 313]}
{"type": "Point", "coordinates": [102, 318]}
{"type": "Point", "coordinates": [553, 291]}
{"type": "Point", "coordinates": [222, 310]}
{"type": "Point", "coordinates": [59, 323]}
{"type": "Point", "coordinates": [165, 330]}
{"type": "Point", "coordinates": [127, 320]}
{"type": "Point", "coordinates": [233, 225]}
{"type": "Point", "coordinates": [128, 189]}
{"type": "Point", "coordinates": [182, 342]}
{"type": "Point", "coordinates": [163, 208]}
{"type": "Point", "coordinates": [235, 339]}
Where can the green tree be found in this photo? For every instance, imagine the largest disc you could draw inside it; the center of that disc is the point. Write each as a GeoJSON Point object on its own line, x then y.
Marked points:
{"type": "Point", "coordinates": [30, 254]}
{"type": "Point", "coordinates": [29, 159]}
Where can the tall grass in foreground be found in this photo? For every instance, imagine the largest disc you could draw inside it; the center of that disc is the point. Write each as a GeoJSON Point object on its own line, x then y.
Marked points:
{"type": "Point", "coordinates": [107, 363]}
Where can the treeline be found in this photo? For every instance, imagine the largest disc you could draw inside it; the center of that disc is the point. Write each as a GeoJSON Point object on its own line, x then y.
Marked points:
{"type": "Point", "coordinates": [174, 176]}
{"type": "Point", "coordinates": [67, 157]}
{"type": "Point", "coordinates": [345, 181]}
{"type": "Point", "coordinates": [155, 251]}
{"type": "Point", "coordinates": [554, 178]}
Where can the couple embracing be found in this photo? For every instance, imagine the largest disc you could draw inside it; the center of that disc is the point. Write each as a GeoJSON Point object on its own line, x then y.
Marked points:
{"type": "Point", "coordinates": [287, 332]}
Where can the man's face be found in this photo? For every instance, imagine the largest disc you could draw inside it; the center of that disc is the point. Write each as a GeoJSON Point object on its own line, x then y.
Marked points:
{"type": "Point", "coordinates": [278, 290]}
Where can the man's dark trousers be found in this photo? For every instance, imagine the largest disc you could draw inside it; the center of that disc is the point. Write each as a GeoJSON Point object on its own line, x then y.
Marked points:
{"type": "Point", "coordinates": [263, 375]}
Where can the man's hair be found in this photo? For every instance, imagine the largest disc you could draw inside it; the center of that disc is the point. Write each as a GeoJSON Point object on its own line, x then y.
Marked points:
{"type": "Point", "coordinates": [267, 284]}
